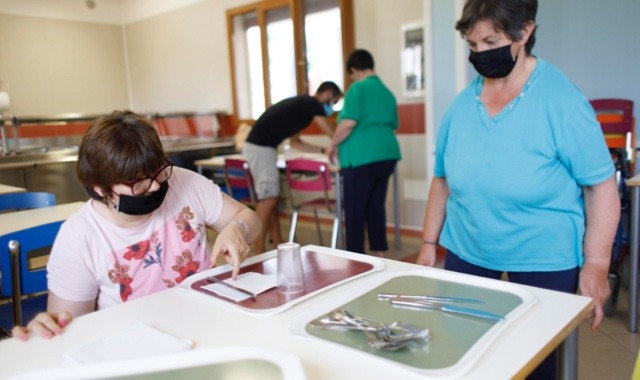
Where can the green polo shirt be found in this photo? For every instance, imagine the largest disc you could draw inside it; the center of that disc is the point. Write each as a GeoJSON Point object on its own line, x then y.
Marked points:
{"type": "Point", "coordinates": [373, 107]}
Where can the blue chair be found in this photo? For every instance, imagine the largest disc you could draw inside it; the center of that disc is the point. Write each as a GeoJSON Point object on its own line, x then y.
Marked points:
{"type": "Point", "coordinates": [25, 286]}
{"type": "Point", "coordinates": [239, 181]}
{"type": "Point", "coordinates": [26, 200]}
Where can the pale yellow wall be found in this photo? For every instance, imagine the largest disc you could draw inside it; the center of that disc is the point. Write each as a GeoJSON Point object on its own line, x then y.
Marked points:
{"type": "Point", "coordinates": [179, 60]}
{"type": "Point", "coordinates": [53, 66]}
{"type": "Point", "coordinates": [378, 29]}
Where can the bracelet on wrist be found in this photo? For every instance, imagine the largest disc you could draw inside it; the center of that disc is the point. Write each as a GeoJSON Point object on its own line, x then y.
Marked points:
{"type": "Point", "coordinates": [429, 242]}
{"type": "Point", "coordinates": [245, 227]}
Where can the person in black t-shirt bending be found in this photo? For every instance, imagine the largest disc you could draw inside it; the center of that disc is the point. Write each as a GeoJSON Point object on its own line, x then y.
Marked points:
{"type": "Point", "coordinates": [285, 119]}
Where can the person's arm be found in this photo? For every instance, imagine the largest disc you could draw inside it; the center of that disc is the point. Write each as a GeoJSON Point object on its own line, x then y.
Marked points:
{"type": "Point", "coordinates": [433, 220]}
{"type": "Point", "coordinates": [60, 312]}
{"type": "Point", "coordinates": [342, 132]}
{"type": "Point", "coordinates": [297, 143]}
{"type": "Point", "coordinates": [238, 227]}
{"type": "Point", "coordinates": [602, 206]}
{"type": "Point", "coordinates": [323, 123]}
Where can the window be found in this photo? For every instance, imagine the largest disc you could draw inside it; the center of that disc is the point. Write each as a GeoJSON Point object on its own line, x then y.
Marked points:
{"type": "Point", "coordinates": [281, 48]}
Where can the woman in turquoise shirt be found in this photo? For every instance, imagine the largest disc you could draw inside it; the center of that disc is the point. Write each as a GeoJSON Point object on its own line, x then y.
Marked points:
{"type": "Point", "coordinates": [368, 151]}
{"type": "Point", "coordinates": [523, 180]}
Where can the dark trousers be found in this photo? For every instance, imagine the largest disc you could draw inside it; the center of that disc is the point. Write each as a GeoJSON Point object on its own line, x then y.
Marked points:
{"type": "Point", "coordinates": [563, 281]}
{"type": "Point", "coordinates": [365, 191]}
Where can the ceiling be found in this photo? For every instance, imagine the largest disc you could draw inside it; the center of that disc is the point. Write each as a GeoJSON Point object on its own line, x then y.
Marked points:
{"type": "Point", "coordinates": [96, 11]}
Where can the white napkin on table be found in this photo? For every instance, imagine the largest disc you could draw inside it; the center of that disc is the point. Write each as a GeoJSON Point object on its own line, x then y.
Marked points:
{"type": "Point", "coordinates": [135, 342]}
{"type": "Point", "coordinates": [254, 282]}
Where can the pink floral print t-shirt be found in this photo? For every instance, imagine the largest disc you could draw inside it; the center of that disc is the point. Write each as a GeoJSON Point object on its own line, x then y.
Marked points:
{"type": "Point", "coordinates": [94, 259]}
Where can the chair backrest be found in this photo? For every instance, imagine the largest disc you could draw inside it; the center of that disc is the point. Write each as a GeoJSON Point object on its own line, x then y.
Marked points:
{"type": "Point", "coordinates": [237, 175]}
{"type": "Point", "coordinates": [34, 241]}
{"type": "Point", "coordinates": [26, 200]}
{"type": "Point", "coordinates": [617, 122]}
{"type": "Point", "coordinates": [615, 115]}
{"type": "Point", "coordinates": [309, 176]}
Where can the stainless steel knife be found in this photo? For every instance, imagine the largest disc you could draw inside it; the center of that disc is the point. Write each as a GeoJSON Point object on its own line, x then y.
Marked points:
{"type": "Point", "coordinates": [447, 308]}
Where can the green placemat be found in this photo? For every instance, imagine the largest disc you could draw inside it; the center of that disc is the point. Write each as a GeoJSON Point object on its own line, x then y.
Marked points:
{"type": "Point", "coordinates": [231, 370]}
{"type": "Point", "coordinates": [451, 335]}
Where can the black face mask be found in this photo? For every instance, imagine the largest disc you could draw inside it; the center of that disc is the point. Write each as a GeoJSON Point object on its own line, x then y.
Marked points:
{"type": "Point", "coordinates": [140, 204]}
{"type": "Point", "coordinates": [143, 204]}
{"type": "Point", "coordinates": [494, 63]}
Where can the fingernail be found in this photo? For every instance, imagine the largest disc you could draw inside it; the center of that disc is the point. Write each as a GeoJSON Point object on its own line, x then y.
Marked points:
{"type": "Point", "coordinates": [64, 323]}
{"type": "Point", "coordinates": [48, 335]}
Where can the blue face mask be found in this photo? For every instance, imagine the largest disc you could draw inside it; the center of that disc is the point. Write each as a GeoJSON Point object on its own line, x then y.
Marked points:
{"type": "Point", "coordinates": [328, 108]}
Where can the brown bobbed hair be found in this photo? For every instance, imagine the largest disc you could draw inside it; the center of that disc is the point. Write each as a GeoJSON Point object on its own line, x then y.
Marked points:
{"type": "Point", "coordinates": [119, 147]}
{"type": "Point", "coordinates": [508, 16]}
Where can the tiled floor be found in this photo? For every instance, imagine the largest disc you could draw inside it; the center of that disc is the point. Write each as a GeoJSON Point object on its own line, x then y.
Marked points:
{"type": "Point", "coordinates": [607, 353]}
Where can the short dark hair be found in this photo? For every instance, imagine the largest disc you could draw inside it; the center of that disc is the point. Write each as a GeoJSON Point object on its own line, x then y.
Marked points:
{"type": "Point", "coordinates": [328, 85]}
{"type": "Point", "coordinates": [359, 59]}
{"type": "Point", "coordinates": [509, 16]}
{"type": "Point", "coordinates": [122, 146]}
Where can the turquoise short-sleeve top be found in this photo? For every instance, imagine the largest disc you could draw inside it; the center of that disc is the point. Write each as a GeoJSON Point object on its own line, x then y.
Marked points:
{"type": "Point", "coordinates": [374, 109]}
{"type": "Point", "coordinates": [516, 179]}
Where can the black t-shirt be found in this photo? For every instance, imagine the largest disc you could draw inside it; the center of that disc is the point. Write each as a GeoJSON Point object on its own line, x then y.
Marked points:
{"type": "Point", "coordinates": [284, 119]}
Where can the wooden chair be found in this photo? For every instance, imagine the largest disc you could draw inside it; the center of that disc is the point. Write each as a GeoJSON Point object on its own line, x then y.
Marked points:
{"type": "Point", "coordinates": [26, 200]}
{"type": "Point", "coordinates": [26, 286]}
{"type": "Point", "coordinates": [311, 178]}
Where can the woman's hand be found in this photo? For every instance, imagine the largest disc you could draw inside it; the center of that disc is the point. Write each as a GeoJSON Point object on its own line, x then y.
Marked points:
{"type": "Point", "coordinates": [427, 255]}
{"type": "Point", "coordinates": [594, 283]}
{"type": "Point", "coordinates": [47, 325]}
{"type": "Point", "coordinates": [233, 245]}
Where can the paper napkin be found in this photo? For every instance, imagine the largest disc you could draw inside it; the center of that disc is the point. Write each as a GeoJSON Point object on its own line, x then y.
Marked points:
{"type": "Point", "coordinates": [135, 342]}
{"type": "Point", "coordinates": [254, 282]}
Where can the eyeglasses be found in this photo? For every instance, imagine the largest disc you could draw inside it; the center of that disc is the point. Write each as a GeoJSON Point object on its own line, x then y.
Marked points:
{"type": "Point", "coordinates": [141, 186]}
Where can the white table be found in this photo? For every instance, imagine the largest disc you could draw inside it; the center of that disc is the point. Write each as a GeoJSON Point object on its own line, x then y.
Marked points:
{"type": "Point", "coordinates": [217, 162]}
{"type": "Point", "coordinates": [20, 220]}
{"type": "Point", "coordinates": [6, 189]}
{"type": "Point", "coordinates": [513, 354]}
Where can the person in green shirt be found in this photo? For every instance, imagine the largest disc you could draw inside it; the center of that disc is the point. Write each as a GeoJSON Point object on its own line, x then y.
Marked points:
{"type": "Point", "coordinates": [368, 151]}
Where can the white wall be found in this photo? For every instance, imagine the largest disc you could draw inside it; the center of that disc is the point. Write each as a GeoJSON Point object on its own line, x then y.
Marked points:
{"type": "Point", "coordinates": [53, 66]}
{"type": "Point", "coordinates": [179, 60]}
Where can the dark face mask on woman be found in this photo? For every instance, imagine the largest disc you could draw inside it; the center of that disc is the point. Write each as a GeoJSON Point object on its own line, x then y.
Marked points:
{"type": "Point", "coordinates": [494, 63]}
{"type": "Point", "coordinates": [143, 204]}
{"type": "Point", "coordinates": [138, 204]}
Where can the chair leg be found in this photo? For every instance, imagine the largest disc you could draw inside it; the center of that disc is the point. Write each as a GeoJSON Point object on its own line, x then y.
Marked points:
{"type": "Point", "coordinates": [294, 222]}
{"type": "Point", "coordinates": [14, 251]}
{"type": "Point", "coordinates": [334, 232]}
{"type": "Point", "coordinates": [315, 213]}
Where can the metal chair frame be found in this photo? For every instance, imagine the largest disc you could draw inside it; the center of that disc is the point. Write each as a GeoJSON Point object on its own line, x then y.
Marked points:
{"type": "Point", "coordinates": [238, 175]}
{"type": "Point", "coordinates": [311, 177]}
{"type": "Point", "coordinates": [18, 279]}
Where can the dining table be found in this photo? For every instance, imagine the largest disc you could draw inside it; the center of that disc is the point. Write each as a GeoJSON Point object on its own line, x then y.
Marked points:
{"type": "Point", "coordinates": [217, 163]}
{"type": "Point", "coordinates": [19, 220]}
{"type": "Point", "coordinates": [217, 329]}
{"type": "Point", "coordinates": [7, 189]}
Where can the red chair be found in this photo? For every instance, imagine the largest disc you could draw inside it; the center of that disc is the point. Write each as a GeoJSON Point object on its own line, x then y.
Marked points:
{"type": "Point", "coordinates": [311, 177]}
{"type": "Point", "coordinates": [238, 177]}
{"type": "Point", "coordinates": [617, 121]}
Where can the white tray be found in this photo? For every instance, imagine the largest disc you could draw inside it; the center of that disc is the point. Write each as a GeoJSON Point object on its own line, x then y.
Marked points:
{"type": "Point", "coordinates": [196, 364]}
{"type": "Point", "coordinates": [464, 363]}
{"type": "Point", "coordinates": [377, 265]}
